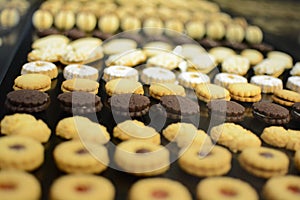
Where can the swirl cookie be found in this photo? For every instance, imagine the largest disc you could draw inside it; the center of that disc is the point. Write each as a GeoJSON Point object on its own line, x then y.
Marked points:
{"type": "Point", "coordinates": [158, 188]}
{"type": "Point", "coordinates": [80, 84]}
{"type": "Point", "coordinates": [245, 92]}
{"type": "Point", "coordinates": [116, 46]}
{"type": "Point", "coordinates": [236, 64]}
{"type": "Point", "coordinates": [192, 79]}
{"type": "Point", "coordinates": [123, 86]}
{"type": "Point", "coordinates": [264, 162]}
{"type": "Point", "coordinates": [75, 157]}
{"type": "Point", "coordinates": [225, 188]}
{"type": "Point", "coordinates": [293, 83]}
{"type": "Point", "coordinates": [20, 152]}
{"type": "Point", "coordinates": [215, 30]}
{"type": "Point", "coordinates": [39, 82]}
{"type": "Point", "coordinates": [226, 79]}
{"type": "Point", "coordinates": [40, 67]}
{"type": "Point", "coordinates": [235, 33]}
{"type": "Point", "coordinates": [80, 71]}
{"type": "Point", "coordinates": [158, 90]}
{"type": "Point", "coordinates": [118, 71]}
{"type": "Point", "coordinates": [275, 135]}
{"type": "Point", "coordinates": [286, 97]}
{"type": "Point", "coordinates": [296, 69]}
{"type": "Point", "coordinates": [268, 84]}
{"type": "Point", "coordinates": [209, 92]}
{"type": "Point", "coordinates": [254, 35]}
{"type": "Point", "coordinates": [157, 75]}
{"type": "Point", "coordinates": [294, 140]}
{"type": "Point", "coordinates": [82, 186]}
{"type": "Point", "coordinates": [234, 136]}
{"type": "Point", "coordinates": [142, 158]}
{"type": "Point", "coordinates": [86, 21]}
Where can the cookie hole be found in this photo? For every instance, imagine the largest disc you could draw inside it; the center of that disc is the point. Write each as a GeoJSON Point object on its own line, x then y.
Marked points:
{"type": "Point", "coordinates": [81, 151]}
{"type": "Point", "coordinates": [142, 150]}
{"type": "Point", "coordinates": [17, 147]}
{"type": "Point", "coordinates": [82, 188]}
{"type": "Point", "coordinates": [266, 155]}
{"type": "Point", "coordinates": [8, 186]}
{"type": "Point", "coordinates": [294, 189]}
{"type": "Point", "coordinates": [228, 192]}
{"type": "Point", "coordinates": [159, 194]}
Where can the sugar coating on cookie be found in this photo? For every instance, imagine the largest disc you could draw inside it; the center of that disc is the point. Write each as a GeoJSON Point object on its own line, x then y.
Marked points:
{"type": "Point", "coordinates": [40, 67]}
{"type": "Point", "coordinates": [293, 83]}
{"type": "Point", "coordinates": [80, 71]}
{"type": "Point", "coordinates": [120, 71]}
{"type": "Point", "coordinates": [268, 84]}
{"type": "Point", "coordinates": [226, 79]}
{"type": "Point", "coordinates": [254, 56]}
{"type": "Point", "coordinates": [192, 79]}
{"type": "Point", "coordinates": [157, 75]}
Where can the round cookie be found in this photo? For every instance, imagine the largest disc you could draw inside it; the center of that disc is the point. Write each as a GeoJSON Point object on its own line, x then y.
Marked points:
{"type": "Point", "coordinates": [192, 79]}
{"type": "Point", "coordinates": [215, 188]}
{"type": "Point", "coordinates": [130, 23]}
{"type": "Point", "coordinates": [19, 185]}
{"type": "Point", "coordinates": [190, 51]}
{"type": "Point", "coordinates": [208, 92]}
{"type": "Point", "coordinates": [221, 53]}
{"type": "Point", "coordinates": [296, 69]}
{"type": "Point", "coordinates": [117, 71]}
{"type": "Point", "coordinates": [82, 186]}
{"type": "Point", "coordinates": [157, 75]}
{"type": "Point", "coordinates": [287, 187]}
{"type": "Point", "coordinates": [264, 162]}
{"type": "Point", "coordinates": [203, 62]}
{"type": "Point", "coordinates": [51, 40]}
{"type": "Point", "coordinates": [276, 136]}
{"type": "Point", "coordinates": [236, 64]}
{"type": "Point", "coordinates": [226, 79]}
{"type": "Point", "coordinates": [286, 97]}
{"type": "Point", "coordinates": [245, 92]}
{"type": "Point", "coordinates": [42, 19]}
{"type": "Point", "coordinates": [39, 82]}
{"type": "Point", "coordinates": [75, 157]}
{"type": "Point", "coordinates": [253, 56]}
{"type": "Point", "coordinates": [210, 161]}
{"type": "Point", "coordinates": [254, 35]}
{"type": "Point", "coordinates": [80, 84]}
{"type": "Point", "coordinates": [268, 84]}
{"type": "Point", "coordinates": [158, 188]}
{"type": "Point", "coordinates": [40, 67]}
{"type": "Point", "coordinates": [20, 152]}
{"type": "Point", "coordinates": [158, 90]}
{"type": "Point", "coordinates": [142, 158]}
{"type": "Point", "coordinates": [80, 71]}
{"type": "Point", "coordinates": [295, 112]}
{"type": "Point", "coordinates": [283, 57]}
{"type": "Point", "coordinates": [293, 83]}
{"type": "Point", "coordinates": [123, 86]}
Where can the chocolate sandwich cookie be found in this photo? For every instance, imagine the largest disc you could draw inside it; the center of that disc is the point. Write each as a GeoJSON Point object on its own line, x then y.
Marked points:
{"type": "Point", "coordinates": [80, 102]}
{"type": "Point", "coordinates": [28, 101]}
{"type": "Point", "coordinates": [271, 113]}
{"type": "Point", "coordinates": [178, 107]}
{"type": "Point", "coordinates": [295, 112]}
{"type": "Point", "coordinates": [230, 110]}
{"type": "Point", "coordinates": [133, 105]}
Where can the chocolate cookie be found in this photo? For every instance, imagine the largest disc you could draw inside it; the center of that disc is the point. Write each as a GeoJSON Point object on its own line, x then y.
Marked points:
{"type": "Point", "coordinates": [271, 113]}
{"type": "Point", "coordinates": [231, 111]}
{"type": "Point", "coordinates": [80, 102]}
{"type": "Point", "coordinates": [295, 112]}
{"type": "Point", "coordinates": [133, 105]}
{"type": "Point", "coordinates": [178, 107]}
{"type": "Point", "coordinates": [28, 101]}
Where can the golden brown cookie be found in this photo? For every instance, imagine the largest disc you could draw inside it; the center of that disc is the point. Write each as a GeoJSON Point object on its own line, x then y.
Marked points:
{"type": "Point", "coordinates": [122, 86]}
{"type": "Point", "coordinates": [208, 92]}
{"type": "Point", "coordinates": [275, 135]}
{"type": "Point", "coordinates": [40, 67]}
{"type": "Point", "coordinates": [39, 82]}
{"type": "Point", "coordinates": [286, 97]}
{"type": "Point", "coordinates": [294, 140]}
{"type": "Point", "coordinates": [79, 84]}
{"type": "Point", "coordinates": [157, 90]}
{"type": "Point", "coordinates": [297, 159]}
{"type": "Point", "coordinates": [245, 92]}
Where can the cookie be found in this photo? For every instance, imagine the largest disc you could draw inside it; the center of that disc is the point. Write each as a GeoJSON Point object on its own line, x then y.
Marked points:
{"type": "Point", "coordinates": [167, 60]}
{"type": "Point", "coordinates": [179, 107]}
{"type": "Point", "coordinates": [254, 35]}
{"type": "Point", "coordinates": [235, 33]}
{"type": "Point", "coordinates": [151, 75]}
{"type": "Point", "coordinates": [297, 160]}
{"type": "Point", "coordinates": [86, 21]}
{"type": "Point", "coordinates": [286, 58]}
{"type": "Point", "coordinates": [158, 188]}
{"type": "Point", "coordinates": [109, 23]}
{"type": "Point", "coordinates": [225, 187]}
{"type": "Point", "coordinates": [64, 19]}
{"type": "Point", "coordinates": [211, 161]}
{"type": "Point", "coordinates": [234, 136]}
{"type": "Point", "coordinates": [80, 84]}
{"type": "Point", "coordinates": [192, 79]}
{"type": "Point", "coordinates": [131, 105]}
{"type": "Point", "coordinates": [40, 67]}
{"type": "Point", "coordinates": [75, 157]}
{"type": "Point", "coordinates": [133, 129]}
{"type": "Point", "coordinates": [142, 158]}
{"type": "Point", "coordinates": [275, 135]}
{"type": "Point", "coordinates": [80, 102]}
{"type": "Point", "coordinates": [287, 187]}
{"type": "Point", "coordinates": [215, 30]}
{"type": "Point", "coordinates": [203, 62]}
{"type": "Point", "coordinates": [221, 53]}
{"type": "Point", "coordinates": [253, 56]}
{"type": "Point", "coordinates": [82, 186]}
{"type": "Point", "coordinates": [20, 152]}
{"type": "Point", "coordinates": [236, 64]}
{"type": "Point", "coordinates": [123, 86]}
{"type": "Point", "coordinates": [293, 83]}
{"type": "Point", "coordinates": [286, 97]}
{"type": "Point", "coordinates": [245, 92]}
{"type": "Point", "coordinates": [115, 46]}
{"type": "Point", "coordinates": [228, 111]}
{"type": "Point", "coordinates": [28, 101]}
{"type": "Point", "coordinates": [39, 82]}
{"type": "Point", "coordinates": [294, 140]}
{"type": "Point", "coordinates": [270, 67]}
{"type": "Point", "coordinates": [209, 92]}
{"type": "Point", "coordinates": [53, 40]}
{"type": "Point", "coordinates": [80, 71]}
{"type": "Point", "coordinates": [118, 71]}
{"type": "Point", "coordinates": [25, 125]}
{"type": "Point", "coordinates": [226, 79]}
{"type": "Point", "coordinates": [268, 84]}
{"type": "Point", "coordinates": [264, 162]}
{"type": "Point", "coordinates": [129, 58]}
{"type": "Point", "coordinates": [156, 47]}
{"type": "Point", "coordinates": [195, 29]}
{"type": "Point", "coordinates": [19, 185]}
{"type": "Point", "coordinates": [295, 112]}
{"type": "Point", "coordinates": [296, 69]}
{"type": "Point", "coordinates": [81, 128]}
{"type": "Point", "coordinates": [158, 90]}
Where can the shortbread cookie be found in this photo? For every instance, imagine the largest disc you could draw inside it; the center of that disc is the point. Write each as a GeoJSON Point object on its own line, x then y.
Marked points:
{"type": "Point", "coordinates": [80, 71]}
{"type": "Point", "coordinates": [40, 67]}
{"type": "Point", "coordinates": [28, 101]}
{"type": "Point", "coordinates": [294, 140]}
{"type": "Point", "coordinates": [209, 92]}
{"type": "Point", "coordinates": [254, 35]}
{"type": "Point", "coordinates": [133, 129]}
{"type": "Point", "coordinates": [81, 128]}
{"type": "Point", "coordinates": [215, 30]}
{"type": "Point", "coordinates": [82, 186]}
{"type": "Point", "coordinates": [286, 58]}
{"type": "Point", "coordinates": [282, 187]}
{"type": "Point", "coordinates": [245, 92]}
{"type": "Point", "coordinates": [130, 23]}
{"type": "Point", "coordinates": [142, 158]}
{"type": "Point", "coordinates": [254, 56]}
{"type": "Point", "coordinates": [275, 135]}
{"type": "Point", "coordinates": [53, 40]}
{"type": "Point", "coordinates": [118, 71]}
{"type": "Point", "coordinates": [109, 23]}
{"type": "Point", "coordinates": [77, 157]}
{"type": "Point", "coordinates": [225, 188]}
{"type": "Point", "coordinates": [116, 46]}
{"type": "Point", "coordinates": [20, 152]}
{"type": "Point", "coordinates": [236, 65]}
{"type": "Point", "coordinates": [203, 62]}
{"type": "Point", "coordinates": [129, 105]}
{"type": "Point", "coordinates": [151, 75]}
{"type": "Point", "coordinates": [167, 60]}
{"type": "Point", "coordinates": [129, 58]}
{"type": "Point", "coordinates": [264, 162]}
{"type": "Point", "coordinates": [271, 67]}
{"type": "Point", "coordinates": [80, 84]}
{"type": "Point", "coordinates": [221, 53]}
{"type": "Point", "coordinates": [286, 97]}
{"type": "Point", "coordinates": [234, 136]}
{"type": "Point", "coordinates": [123, 86]}
{"type": "Point", "coordinates": [39, 82]}
{"type": "Point", "coordinates": [296, 69]}
{"type": "Point", "coordinates": [297, 160]}
{"type": "Point", "coordinates": [64, 19]}
{"type": "Point", "coordinates": [158, 188]}
{"type": "Point", "coordinates": [226, 79]}
{"type": "Point", "coordinates": [211, 161]}
{"type": "Point", "coordinates": [157, 90]}
{"type": "Point", "coordinates": [156, 47]}
{"type": "Point", "coordinates": [19, 185]}
{"type": "Point", "coordinates": [295, 112]}
{"type": "Point", "coordinates": [192, 79]}
{"type": "Point", "coordinates": [86, 21]}
{"type": "Point", "coordinates": [293, 83]}
{"type": "Point", "coordinates": [268, 84]}
{"type": "Point", "coordinates": [80, 102]}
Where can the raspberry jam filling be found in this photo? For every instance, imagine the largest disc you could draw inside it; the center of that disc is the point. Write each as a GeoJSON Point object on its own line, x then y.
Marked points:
{"type": "Point", "coordinates": [159, 194]}
{"type": "Point", "coordinates": [266, 155]}
{"type": "Point", "coordinates": [7, 186]}
{"type": "Point", "coordinates": [142, 150]}
{"type": "Point", "coordinates": [17, 147]}
{"type": "Point", "coordinates": [228, 192]}
{"type": "Point", "coordinates": [82, 151]}
{"type": "Point", "coordinates": [82, 188]}
{"type": "Point", "coordinates": [294, 189]}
